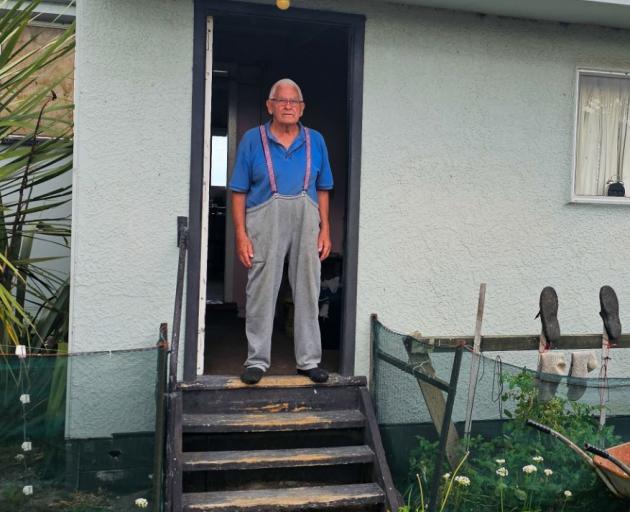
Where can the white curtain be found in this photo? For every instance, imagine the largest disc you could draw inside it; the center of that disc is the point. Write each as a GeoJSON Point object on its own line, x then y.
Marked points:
{"type": "Point", "coordinates": [603, 140]}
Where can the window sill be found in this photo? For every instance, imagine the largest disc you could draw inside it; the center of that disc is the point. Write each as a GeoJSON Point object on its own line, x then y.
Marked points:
{"type": "Point", "coordinates": [600, 200]}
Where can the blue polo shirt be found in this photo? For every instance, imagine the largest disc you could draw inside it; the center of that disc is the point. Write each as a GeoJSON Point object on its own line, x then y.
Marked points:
{"type": "Point", "coordinates": [250, 170]}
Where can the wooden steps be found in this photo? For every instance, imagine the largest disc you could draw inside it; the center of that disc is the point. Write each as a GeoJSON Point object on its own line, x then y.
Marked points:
{"type": "Point", "coordinates": [286, 444]}
{"type": "Point", "coordinates": [266, 459]}
{"type": "Point", "coordinates": [298, 498]}
{"type": "Point", "coordinates": [267, 422]}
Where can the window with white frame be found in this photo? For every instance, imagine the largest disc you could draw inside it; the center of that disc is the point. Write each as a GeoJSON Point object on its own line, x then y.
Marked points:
{"type": "Point", "coordinates": [602, 159]}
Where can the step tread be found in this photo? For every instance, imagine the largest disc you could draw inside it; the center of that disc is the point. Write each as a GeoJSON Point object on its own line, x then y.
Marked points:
{"type": "Point", "coordinates": [260, 459]}
{"type": "Point", "coordinates": [281, 421]}
{"type": "Point", "coordinates": [296, 498]}
{"type": "Point", "coordinates": [224, 382]}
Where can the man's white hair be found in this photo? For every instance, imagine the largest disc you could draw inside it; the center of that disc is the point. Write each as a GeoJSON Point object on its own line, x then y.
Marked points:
{"type": "Point", "coordinates": [285, 81]}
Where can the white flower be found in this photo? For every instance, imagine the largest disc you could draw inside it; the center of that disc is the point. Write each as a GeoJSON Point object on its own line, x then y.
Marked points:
{"type": "Point", "coordinates": [537, 458]}
{"type": "Point", "coordinates": [500, 462]}
{"type": "Point", "coordinates": [530, 468]}
{"type": "Point", "coordinates": [548, 472]}
{"type": "Point", "coordinates": [463, 480]}
{"type": "Point", "coordinates": [502, 472]}
{"type": "Point", "coordinates": [19, 457]}
{"type": "Point", "coordinates": [446, 476]}
{"type": "Point", "coordinates": [568, 494]}
{"type": "Point", "coordinates": [142, 503]}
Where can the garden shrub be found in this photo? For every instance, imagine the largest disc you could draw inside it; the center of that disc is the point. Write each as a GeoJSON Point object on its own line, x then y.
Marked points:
{"type": "Point", "coordinates": [522, 469]}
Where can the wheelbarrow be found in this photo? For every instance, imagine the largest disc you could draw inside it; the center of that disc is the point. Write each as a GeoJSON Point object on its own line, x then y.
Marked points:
{"type": "Point", "coordinates": [611, 465]}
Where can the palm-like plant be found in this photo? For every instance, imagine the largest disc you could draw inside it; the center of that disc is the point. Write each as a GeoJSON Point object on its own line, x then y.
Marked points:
{"type": "Point", "coordinates": [36, 135]}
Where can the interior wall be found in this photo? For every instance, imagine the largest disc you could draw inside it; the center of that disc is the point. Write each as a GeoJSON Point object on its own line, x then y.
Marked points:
{"type": "Point", "coordinates": [248, 109]}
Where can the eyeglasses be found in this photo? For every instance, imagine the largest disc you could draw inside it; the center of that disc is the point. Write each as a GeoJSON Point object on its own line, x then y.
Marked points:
{"type": "Point", "coordinates": [284, 101]}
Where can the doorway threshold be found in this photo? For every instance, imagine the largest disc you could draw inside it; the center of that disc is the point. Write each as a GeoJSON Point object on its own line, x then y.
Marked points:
{"type": "Point", "coordinates": [212, 382]}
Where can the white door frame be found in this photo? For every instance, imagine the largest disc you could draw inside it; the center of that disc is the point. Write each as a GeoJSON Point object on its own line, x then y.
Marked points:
{"type": "Point", "coordinates": [205, 199]}
{"type": "Point", "coordinates": [198, 243]}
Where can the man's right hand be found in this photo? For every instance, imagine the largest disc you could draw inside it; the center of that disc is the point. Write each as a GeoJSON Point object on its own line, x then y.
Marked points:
{"type": "Point", "coordinates": [245, 250]}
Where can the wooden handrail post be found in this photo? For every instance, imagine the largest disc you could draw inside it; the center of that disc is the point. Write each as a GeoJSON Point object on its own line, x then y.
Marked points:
{"type": "Point", "coordinates": [179, 292]}
{"type": "Point", "coordinates": [160, 418]}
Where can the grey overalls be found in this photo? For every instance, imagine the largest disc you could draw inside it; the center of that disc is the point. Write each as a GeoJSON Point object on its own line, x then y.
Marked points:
{"type": "Point", "coordinates": [284, 225]}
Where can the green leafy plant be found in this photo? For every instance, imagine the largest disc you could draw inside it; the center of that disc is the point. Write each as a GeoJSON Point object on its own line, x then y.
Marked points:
{"type": "Point", "coordinates": [35, 153]}
{"type": "Point", "coordinates": [36, 136]}
{"type": "Point", "coordinates": [521, 469]}
{"type": "Point", "coordinates": [454, 487]}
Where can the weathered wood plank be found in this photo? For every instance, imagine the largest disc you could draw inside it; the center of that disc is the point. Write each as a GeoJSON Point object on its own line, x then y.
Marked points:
{"type": "Point", "coordinates": [160, 415]}
{"type": "Point", "coordinates": [272, 422]}
{"type": "Point", "coordinates": [521, 342]}
{"type": "Point", "coordinates": [474, 369]}
{"type": "Point", "coordinates": [173, 453]}
{"type": "Point", "coordinates": [381, 472]}
{"type": "Point", "coordinates": [433, 397]}
{"type": "Point", "coordinates": [211, 382]}
{"type": "Point", "coordinates": [436, 405]}
{"type": "Point", "coordinates": [182, 240]}
{"type": "Point", "coordinates": [254, 399]}
{"type": "Point", "coordinates": [415, 371]}
{"type": "Point", "coordinates": [260, 459]}
{"type": "Point", "coordinates": [290, 439]}
{"type": "Point", "coordinates": [297, 498]}
{"type": "Point", "coordinates": [178, 452]}
{"type": "Point", "coordinates": [603, 397]}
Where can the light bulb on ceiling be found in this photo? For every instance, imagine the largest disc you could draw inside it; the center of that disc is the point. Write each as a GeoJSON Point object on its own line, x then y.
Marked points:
{"type": "Point", "coordinates": [283, 4]}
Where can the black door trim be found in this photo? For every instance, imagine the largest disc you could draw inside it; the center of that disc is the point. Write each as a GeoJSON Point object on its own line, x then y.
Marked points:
{"type": "Point", "coordinates": [356, 29]}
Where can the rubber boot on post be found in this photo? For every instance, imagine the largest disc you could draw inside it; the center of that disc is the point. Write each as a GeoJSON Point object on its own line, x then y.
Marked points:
{"type": "Point", "coordinates": [548, 313]}
{"type": "Point", "coordinates": [610, 312]}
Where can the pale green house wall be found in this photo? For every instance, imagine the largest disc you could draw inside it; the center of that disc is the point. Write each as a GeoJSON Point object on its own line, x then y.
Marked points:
{"type": "Point", "coordinates": [468, 135]}
{"type": "Point", "coordinates": [468, 127]}
{"type": "Point", "coordinates": [131, 181]}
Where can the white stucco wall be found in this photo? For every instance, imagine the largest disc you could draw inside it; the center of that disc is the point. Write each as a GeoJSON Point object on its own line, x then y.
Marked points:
{"type": "Point", "coordinates": [468, 133]}
{"type": "Point", "coordinates": [468, 127]}
{"type": "Point", "coordinates": [131, 181]}
{"type": "Point", "coordinates": [468, 130]}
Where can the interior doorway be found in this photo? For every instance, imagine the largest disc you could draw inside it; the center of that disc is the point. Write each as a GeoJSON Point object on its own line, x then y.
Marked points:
{"type": "Point", "coordinates": [249, 55]}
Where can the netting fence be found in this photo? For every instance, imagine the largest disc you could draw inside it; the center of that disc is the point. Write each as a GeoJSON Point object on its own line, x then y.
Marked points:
{"type": "Point", "coordinates": [78, 431]}
{"type": "Point", "coordinates": [507, 465]}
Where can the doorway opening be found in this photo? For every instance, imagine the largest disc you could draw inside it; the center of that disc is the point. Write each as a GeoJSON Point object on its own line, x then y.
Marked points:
{"type": "Point", "coordinates": [248, 55]}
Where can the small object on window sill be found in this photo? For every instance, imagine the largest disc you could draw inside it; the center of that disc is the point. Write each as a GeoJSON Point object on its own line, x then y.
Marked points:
{"type": "Point", "coordinates": [616, 187]}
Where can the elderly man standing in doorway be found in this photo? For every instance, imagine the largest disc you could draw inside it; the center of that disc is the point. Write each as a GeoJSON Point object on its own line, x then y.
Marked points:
{"type": "Point", "coordinates": [280, 201]}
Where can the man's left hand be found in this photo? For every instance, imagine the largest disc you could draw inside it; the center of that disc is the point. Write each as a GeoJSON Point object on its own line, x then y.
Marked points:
{"type": "Point", "coordinates": [323, 244]}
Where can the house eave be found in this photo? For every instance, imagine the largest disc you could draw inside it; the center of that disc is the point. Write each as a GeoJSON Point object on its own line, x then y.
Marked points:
{"type": "Point", "coordinates": [609, 13]}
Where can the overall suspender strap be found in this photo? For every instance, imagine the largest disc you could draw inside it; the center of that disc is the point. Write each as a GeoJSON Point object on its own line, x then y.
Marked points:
{"type": "Point", "coordinates": [270, 171]}
{"type": "Point", "coordinates": [307, 174]}
{"type": "Point", "coordinates": [265, 143]}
